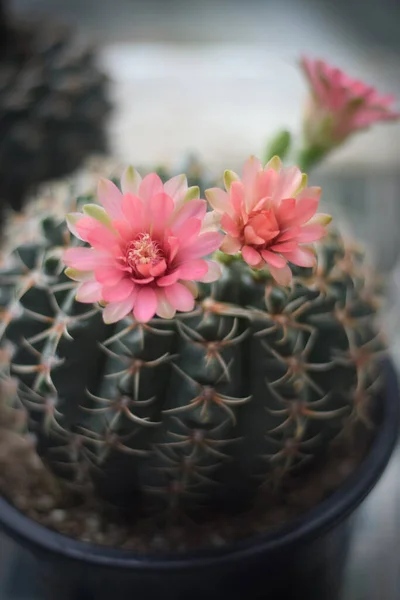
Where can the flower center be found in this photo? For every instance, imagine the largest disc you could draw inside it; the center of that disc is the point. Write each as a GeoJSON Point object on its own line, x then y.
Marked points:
{"type": "Point", "coordinates": [143, 250]}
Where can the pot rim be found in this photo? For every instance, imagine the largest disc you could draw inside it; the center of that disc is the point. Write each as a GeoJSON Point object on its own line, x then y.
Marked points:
{"type": "Point", "coordinates": [313, 523]}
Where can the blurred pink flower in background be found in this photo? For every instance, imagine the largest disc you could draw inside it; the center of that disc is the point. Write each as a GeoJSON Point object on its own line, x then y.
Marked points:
{"type": "Point", "coordinates": [339, 106]}
{"type": "Point", "coordinates": [268, 215]}
{"type": "Point", "coordinates": [147, 247]}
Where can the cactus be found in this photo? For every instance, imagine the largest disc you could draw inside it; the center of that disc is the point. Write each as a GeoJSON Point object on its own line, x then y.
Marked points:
{"type": "Point", "coordinates": [209, 409]}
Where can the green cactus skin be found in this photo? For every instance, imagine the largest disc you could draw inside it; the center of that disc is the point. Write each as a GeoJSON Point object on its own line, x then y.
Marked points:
{"type": "Point", "coordinates": [204, 412]}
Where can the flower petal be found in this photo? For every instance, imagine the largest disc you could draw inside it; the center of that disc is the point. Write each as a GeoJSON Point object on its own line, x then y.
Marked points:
{"type": "Point", "coordinates": [110, 197]}
{"type": "Point", "coordinates": [211, 222]}
{"type": "Point", "coordinates": [282, 276]}
{"type": "Point", "coordinates": [214, 272]}
{"type": "Point", "coordinates": [230, 245]}
{"type": "Point", "coordinates": [116, 293]}
{"type": "Point", "coordinates": [311, 233]}
{"type": "Point", "coordinates": [161, 207]}
{"type": "Point", "coordinates": [179, 297]}
{"type": "Point", "coordinates": [130, 181]}
{"type": "Point", "coordinates": [86, 259]}
{"type": "Point", "coordinates": [303, 257]}
{"type": "Point", "coordinates": [251, 256]}
{"type": "Point", "coordinates": [205, 244]}
{"type": "Point", "coordinates": [115, 311]}
{"type": "Point", "coordinates": [169, 279]}
{"type": "Point", "coordinates": [164, 309]}
{"type": "Point", "coordinates": [150, 186]}
{"type": "Point", "coordinates": [193, 269]}
{"type": "Point", "coordinates": [195, 209]}
{"type": "Point", "coordinates": [72, 220]}
{"type": "Point", "coordinates": [89, 291]}
{"type": "Point", "coordinates": [98, 212]}
{"type": "Point", "coordinates": [273, 259]}
{"type": "Point", "coordinates": [108, 275]}
{"type": "Point", "coordinates": [145, 304]}
{"type": "Point", "coordinates": [219, 200]}
{"type": "Point", "coordinates": [101, 238]}
{"type": "Point", "coordinates": [176, 188]}
{"type": "Point", "coordinates": [133, 211]}
{"type": "Point", "coordinates": [229, 225]}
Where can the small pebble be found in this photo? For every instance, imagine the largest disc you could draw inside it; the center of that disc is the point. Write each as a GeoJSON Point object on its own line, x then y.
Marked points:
{"type": "Point", "coordinates": [58, 516]}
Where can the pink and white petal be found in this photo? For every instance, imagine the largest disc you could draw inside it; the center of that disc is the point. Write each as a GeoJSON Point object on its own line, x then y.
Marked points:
{"type": "Point", "coordinates": [158, 269]}
{"type": "Point", "coordinates": [304, 210]}
{"type": "Point", "coordinates": [150, 186]}
{"type": "Point", "coordinates": [205, 244]}
{"type": "Point", "coordinates": [172, 247]}
{"type": "Point", "coordinates": [188, 232]}
{"type": "Point", "coordinates": [145, 304]}
{"type": "Point", "coordinates": [161, 207]}
{"type": "Point", "coordinates": [72, 220]}
{"type": "Point", "coordinates": [192, 193]}
{"type": "Point", "coordinates": [134, 211]}
{"type": "Point", "coordinates": [288, 183]}
{"type": "Point", "coordinates": [110, 197]}
{"type": "Point", "coordinates": [179, 297]}
{"type": "Point", "coordinates": [169, 279]}
{"type": "Point", "coordinates": [273, 259]}
{"type": "Point", "coordinates": [192, 287]}
{"type": "Point", "coordinates": [282, 276]}
{"type": "Point", "coordinates": [288, 246]}
{"type": "Point", "coordinates": [302, 257]}
{"type": "Point", "coordinates": [284, 211]}
{"type": "Point", "coordinates": [220, 201]}
{"type": "Point", "coordinates": [229, 178]}
{"type": "Point", "coordinates": [78, 275]}
{"type": "Point", "coordinates": [193, 269]}
{"type": "Point", "coordinates": [238, 194]}
{"type": "Point", "coordinates": [164, 309]}
{"type": "Point", "coordinates": [176, 187]}
{"type": "Point", "coordinates": [230, 245]}
{"type": "Point", "coordinates": [121, 291]}
{"type": "Point", "coordinates": [211, 222]}
{"type": "Point", "coordinates": [125, 231]}
{"type": "Point", "coordinates": [108, 275]}
{"type": "Point", "coordinates": [251, 256]}
{"type": "Point", "coordinates": [320, 219]}
{"type": "Point", "coordinates": [229, 225]}
{"type": "Point", "coordinates": [251, 168]}
{"type": "Point", "coordinates": [86, 259]}
{"type": "Point", "coordinates": [115, 311]}
{"type": "Point", "coordinates": [214, 272]}
{"type": "Point", "coordinates": [195, 209]}
{"type": "Point", "coordinates": [89, 291]}
{"type": "Point", "coordinates": [250, 236]}
{"type": "Point", "coordinates": [311, 233]}
{"type": "Point", "coordinates": [101, 238]}
{"type": "Point", "coordinates": [130, 181]}
{"type": "Point", "coordinates": [98, 212]}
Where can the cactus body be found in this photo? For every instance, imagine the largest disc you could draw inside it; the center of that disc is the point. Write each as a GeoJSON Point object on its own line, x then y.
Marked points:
{"type": "Point", "coordinates": [195, 413]}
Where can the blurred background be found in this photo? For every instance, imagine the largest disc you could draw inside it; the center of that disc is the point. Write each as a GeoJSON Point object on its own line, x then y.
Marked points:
{"type": "Point", "coordinates": [214, 78]}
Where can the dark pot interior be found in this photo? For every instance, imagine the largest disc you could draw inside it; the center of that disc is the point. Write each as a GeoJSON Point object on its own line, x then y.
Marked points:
{"type": "Point", "coordinates": [303, 560]}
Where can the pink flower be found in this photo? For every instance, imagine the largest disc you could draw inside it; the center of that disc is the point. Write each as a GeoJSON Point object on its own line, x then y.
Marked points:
{"type": "Point", "coordinates": [147, 247]}
{"type": "Point", "coordinates": [268, 215]}
{"type": "Point", "coordinates": [340, 105]}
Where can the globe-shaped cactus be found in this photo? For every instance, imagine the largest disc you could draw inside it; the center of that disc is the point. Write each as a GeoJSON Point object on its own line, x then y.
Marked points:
{"type": "Point", "coordinates": [179, 360]}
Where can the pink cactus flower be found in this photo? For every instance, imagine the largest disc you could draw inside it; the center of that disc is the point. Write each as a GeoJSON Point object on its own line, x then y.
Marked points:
{"type": "Point", "coordinates": [268, 215]}
{"type": "Point", "coordinates": [147, 247]}
{"type": "Point", "coordinates": [340, 105]}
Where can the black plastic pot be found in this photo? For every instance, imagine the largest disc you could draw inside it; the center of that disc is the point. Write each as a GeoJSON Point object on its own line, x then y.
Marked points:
{"type": "Point", "coordinates": [302, 561]}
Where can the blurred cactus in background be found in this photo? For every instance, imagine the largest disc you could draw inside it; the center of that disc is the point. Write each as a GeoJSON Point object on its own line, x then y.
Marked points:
{"type": "Point", "coordinates": [53, 105]}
